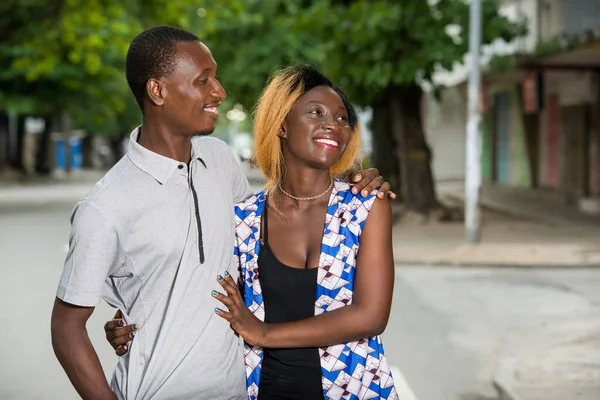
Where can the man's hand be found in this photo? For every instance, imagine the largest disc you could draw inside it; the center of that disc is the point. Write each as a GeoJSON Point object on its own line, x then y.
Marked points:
{"type": "Point", "coordinates": [239, 316]}
{"type": "Point", "coordinates": [118, 334]}
{"type": "Point", "coordinates": [368, 180]}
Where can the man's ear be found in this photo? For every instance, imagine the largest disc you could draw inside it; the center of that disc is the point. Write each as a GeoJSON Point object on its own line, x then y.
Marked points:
{"type": "Point", "coordinates": [156, 91]}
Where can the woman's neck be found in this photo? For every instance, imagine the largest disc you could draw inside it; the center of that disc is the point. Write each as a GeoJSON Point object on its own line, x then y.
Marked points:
{"type": "Point", "coordinates": [305, 184]}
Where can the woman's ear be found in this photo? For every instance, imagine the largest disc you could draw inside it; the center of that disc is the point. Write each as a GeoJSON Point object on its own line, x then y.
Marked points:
{"type": "Point", "coordinates": [282, 132]}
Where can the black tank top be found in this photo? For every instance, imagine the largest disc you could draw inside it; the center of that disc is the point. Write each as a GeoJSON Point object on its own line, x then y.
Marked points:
{"type": "Point", "coordinates": [289, 295]}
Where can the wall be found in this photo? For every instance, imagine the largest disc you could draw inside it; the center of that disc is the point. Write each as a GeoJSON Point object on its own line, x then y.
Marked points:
{"type": "Point", "coordinates": [518, 171]}
{"type": "Point", "coordinates": [552, 22]}
{"type": "Point", "coordinates": [595, 142]}
{"type": "Point", "coordinates": [563, 92]}
{"type": "Point", "coordinates": [445, 130]}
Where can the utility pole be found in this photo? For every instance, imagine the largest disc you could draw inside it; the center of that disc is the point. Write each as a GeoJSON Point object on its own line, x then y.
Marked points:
{"type": "Point", "coordinates": [473, 150]}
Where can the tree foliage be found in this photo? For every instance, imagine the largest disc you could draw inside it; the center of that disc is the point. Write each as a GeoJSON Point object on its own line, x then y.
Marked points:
{"type": "Point", "coordinates": [380, 51]}
{"type": "Point", "coordinates": [365, 45]}
{"type": "Point", "coordinates": [69, 55]}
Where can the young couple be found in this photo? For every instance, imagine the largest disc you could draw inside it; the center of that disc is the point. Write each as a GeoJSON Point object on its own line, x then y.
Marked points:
{"type": "Point", "coordinates": [154, 239]}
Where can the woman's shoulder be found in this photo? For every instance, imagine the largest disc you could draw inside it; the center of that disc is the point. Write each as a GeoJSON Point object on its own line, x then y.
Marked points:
{"type": "Point", "coordinates": [345, 195]}
{"type": "Point", "coordinates": [252, 203]}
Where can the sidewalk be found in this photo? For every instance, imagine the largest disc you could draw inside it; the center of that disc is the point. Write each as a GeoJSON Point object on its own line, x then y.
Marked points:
{"type": "Point", "coordinates": [515, 231]}
{"type": "Point", "coordinates": [569, 371]}
{"type": "Point", "coordinates": [17, 192]}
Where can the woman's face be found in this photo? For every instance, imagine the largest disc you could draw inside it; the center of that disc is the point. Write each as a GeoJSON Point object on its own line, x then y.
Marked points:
{"type": "Point", "coordinates": [316, 132]}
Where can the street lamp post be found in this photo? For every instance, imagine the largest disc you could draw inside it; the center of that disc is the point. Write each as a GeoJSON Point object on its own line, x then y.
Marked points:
{"type": "Point", "coordinates": [473, 145]}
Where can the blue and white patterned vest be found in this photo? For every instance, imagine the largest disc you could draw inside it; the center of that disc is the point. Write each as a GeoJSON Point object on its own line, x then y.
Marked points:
{"type": "Point", "coordinates": [355, 370]}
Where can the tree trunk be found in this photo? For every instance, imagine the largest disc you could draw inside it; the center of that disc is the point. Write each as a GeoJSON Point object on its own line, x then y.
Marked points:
{"type": "Point", "coordinates": [16, 150]}
{"type": "Point", "coordinates": [116, 146]}
{"type": "Point", "coordinates": [384, 157]}
{"type": "Point", "coordinates": [3, 139]}
{"type": "Point", "coordinates": [418, 188]}
{"type": "Point", "coordinates": [44, 156]}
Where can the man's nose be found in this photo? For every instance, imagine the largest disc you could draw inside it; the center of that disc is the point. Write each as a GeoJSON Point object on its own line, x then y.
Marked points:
{"type": "Point", "coordinates": [218, 91]}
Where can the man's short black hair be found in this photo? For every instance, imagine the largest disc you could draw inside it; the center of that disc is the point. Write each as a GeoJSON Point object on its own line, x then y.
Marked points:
{"type": "Point", "coordinates": [152, 54]}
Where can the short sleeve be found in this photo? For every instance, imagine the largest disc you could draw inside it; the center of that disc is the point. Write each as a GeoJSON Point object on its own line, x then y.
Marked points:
{"type": "Point", "coordinates": [239, 183]}
{"type": "Point", "coordinates": [92, 252]}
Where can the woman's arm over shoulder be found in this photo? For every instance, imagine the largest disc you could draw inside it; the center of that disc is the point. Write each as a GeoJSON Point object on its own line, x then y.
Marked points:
{"type": "Point", "coordinates": [374, 281]}
{"type": "Point", "coordinates": [367, 315]}
{"type": "Point", "coordinates": [371, 300]}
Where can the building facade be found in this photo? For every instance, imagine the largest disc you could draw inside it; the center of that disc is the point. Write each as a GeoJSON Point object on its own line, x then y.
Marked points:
{"type": "Point", "coordinates": [541, 121]}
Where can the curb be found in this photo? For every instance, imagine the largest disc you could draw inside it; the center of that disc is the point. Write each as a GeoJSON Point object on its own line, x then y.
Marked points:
{"type": "Point", "coordinates": [490, 264]}
{"type": "Point", "coordinates": [520, 214]}
{"type": "Point", "coordinates": [504, 378]}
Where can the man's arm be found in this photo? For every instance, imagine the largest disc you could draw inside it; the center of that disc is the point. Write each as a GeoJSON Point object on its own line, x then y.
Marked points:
{"type": "Point", "coordinates": [93, 251]}
{"type": "Point", "coordinates": [75, 352]}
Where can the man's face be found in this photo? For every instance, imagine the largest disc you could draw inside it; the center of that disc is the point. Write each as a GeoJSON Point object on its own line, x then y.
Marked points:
{"type": "Point", "coordinates": [193, 92]}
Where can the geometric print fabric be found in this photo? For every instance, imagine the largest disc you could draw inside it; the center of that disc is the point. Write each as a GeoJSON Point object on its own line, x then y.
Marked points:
{"type": "Point", "coordinates": [354, 370]}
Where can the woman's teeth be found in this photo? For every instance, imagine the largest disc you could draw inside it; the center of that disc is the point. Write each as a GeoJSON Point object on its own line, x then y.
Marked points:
{"type": "Point", "coordinates": [327, 141]}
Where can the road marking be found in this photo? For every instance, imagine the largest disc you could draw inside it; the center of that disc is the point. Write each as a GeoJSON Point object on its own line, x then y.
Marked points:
{"type": "Point", "coordinates": [404, 391]}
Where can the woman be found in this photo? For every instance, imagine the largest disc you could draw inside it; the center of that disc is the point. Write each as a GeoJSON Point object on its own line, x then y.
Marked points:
{"type": "Point", "coordinates": [313, 304]}
{"type": "Point", "coordinates": [323, 301]}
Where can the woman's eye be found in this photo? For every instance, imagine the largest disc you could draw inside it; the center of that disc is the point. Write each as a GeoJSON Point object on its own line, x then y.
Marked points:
{"type": "Point", "coordinates": [316, 111]}
{"type": "Point", "coordinates": [204, 81]}
{"type": "Point", "coordinates": [343, 118]}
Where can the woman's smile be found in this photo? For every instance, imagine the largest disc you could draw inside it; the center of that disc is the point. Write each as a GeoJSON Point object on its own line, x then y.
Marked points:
{"type": "Point", "coordinates": [328, 143]}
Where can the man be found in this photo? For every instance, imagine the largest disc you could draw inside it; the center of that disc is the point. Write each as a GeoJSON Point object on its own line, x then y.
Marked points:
{"type": "Point", "coordinates": [153, 234]}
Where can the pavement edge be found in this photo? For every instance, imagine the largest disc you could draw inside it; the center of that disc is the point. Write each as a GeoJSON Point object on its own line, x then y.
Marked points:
{"type": "Point", "coordinates": [504, 380]}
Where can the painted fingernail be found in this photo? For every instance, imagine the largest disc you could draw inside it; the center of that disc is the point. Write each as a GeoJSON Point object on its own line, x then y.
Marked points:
{"type": "Point", "coordinates": [220, 278]}
{"type": "Point", "coordinates": [132, 335]}
{"type": "Point", "coordinates": [214, 293]}
{"type": "Point", "coordinates": [226, 273]}
{"type": "Point", "coordinates": [121, 322]}
{"type": "Point", "coordinates": [217, 310]}
{"type": "Point", "coordinates": [134, 327]}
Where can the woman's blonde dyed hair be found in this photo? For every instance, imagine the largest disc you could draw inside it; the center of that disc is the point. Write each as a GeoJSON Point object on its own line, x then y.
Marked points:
{"type": "Point", "coordinates": [278, 98]}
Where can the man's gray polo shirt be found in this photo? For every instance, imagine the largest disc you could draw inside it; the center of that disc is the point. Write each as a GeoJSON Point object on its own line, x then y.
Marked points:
{"type": "Point", "coordinates": [135, 243]}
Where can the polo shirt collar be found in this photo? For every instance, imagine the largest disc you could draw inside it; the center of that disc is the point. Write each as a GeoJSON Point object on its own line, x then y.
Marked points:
{"type": "Point", "coordinates": [159, 167]}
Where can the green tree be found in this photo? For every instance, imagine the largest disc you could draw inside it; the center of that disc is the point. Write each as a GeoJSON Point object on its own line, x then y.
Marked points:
{"type": "Point", "coordinates": [380, 51]}
{"type": "Point", "coordinates": [67, 57]}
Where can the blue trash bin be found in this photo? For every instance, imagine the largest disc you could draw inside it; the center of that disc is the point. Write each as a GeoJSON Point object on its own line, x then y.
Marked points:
{"type": "Point", "coordinates": [60, 153]}
{"type": "Point", "coordinates": [76, 153]}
